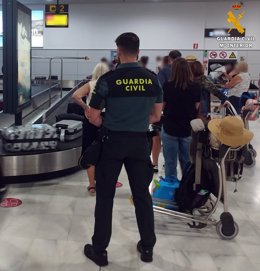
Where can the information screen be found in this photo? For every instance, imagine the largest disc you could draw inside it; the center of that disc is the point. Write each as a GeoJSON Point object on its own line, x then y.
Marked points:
{"type": "Point", "coordinates": [56, 20]}
{"type": "Point", "coordinates": [24, 57]}
{"type": "Point", "coordinates": [37, 28]}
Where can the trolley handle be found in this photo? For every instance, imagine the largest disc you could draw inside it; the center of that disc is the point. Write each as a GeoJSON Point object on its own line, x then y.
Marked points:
{"type": "Point", "coordinates": [231, 109]}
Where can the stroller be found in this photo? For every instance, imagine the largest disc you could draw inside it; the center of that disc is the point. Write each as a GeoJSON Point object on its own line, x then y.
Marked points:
{"type": "Point", "coordinates": [203, 185]}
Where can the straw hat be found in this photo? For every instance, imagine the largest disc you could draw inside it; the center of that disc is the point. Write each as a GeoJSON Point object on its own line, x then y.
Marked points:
{"type": "Point", "coordinates": [230, 131]}
{"type": "Point", "coordinates": [191, 58]}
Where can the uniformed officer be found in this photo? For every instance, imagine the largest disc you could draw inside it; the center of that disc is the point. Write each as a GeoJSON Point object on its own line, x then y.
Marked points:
{"type": "Point", "coordinates": [132, 97]}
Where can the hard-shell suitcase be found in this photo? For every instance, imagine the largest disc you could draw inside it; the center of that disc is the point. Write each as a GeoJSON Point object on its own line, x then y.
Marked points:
{"type": "Point", "coordinates": [69, 130]}
{"type": "Point", "coordinates": [36, 137]}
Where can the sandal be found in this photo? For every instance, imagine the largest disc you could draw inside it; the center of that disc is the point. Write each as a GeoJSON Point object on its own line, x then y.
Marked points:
{"type": "Point", "coordinates": [118, 184]}
{"type": "Point", "coordinates": [92, 190]}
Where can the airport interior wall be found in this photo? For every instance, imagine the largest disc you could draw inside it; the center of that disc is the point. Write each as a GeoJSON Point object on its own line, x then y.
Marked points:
{"type": "Point", "coordinates": [161, 27]}
{"type": "Point", "coordinates": [79, 69]}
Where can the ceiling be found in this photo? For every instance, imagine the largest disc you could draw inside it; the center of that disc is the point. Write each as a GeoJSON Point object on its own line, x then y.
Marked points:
{"type": "Point", "coordinates": [113, 1]}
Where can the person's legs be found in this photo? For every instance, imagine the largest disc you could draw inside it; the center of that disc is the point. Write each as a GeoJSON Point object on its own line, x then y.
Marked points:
{"type": "Point", "coordinates": [89, 136]}
{"type": "Point", "coordinates": [107, 172]}
{"type": "Point", "coordinates": [140, 173]}
{"type": "Point", "coordinates": [170, 153]}
{"type": "Point", "coordinates": [184, 152]}
{"type": "Point", "coordinates": [91, 179]}
{"type": "Point", "coordinates": [156, 149]}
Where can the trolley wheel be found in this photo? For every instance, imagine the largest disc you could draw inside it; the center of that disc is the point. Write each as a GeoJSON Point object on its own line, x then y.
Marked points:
{"type": "Point", "coordinates": [249, 159]}
{"type": "Point", "coordinates": [254, 153]}
{"type": "Point", "coordinates": [252, 150]}
{"type": "Point", "coordinates": [227, 228]}
{"type": "Point", "coordinates": [250, 162]}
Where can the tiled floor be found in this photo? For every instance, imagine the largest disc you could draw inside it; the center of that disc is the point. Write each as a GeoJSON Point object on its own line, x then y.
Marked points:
{"type": "Point", "coordinates": [49, 230]}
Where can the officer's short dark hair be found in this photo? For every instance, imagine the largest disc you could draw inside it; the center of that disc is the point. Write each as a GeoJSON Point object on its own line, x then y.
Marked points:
{"type": "Point", "coordinates": [129, 43]}
{"type": "Point", "coordinates": [174, 54]}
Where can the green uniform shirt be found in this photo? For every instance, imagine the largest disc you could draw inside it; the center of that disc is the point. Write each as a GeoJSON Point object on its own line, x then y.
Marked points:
{"type": "Point", "coordinates": [128, 94]}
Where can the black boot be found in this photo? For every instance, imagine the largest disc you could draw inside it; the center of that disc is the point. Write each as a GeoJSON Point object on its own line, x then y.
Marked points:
{"type": "Point", "coordinates": [146, 255]}
{"type": "Point", "coordinates": [98, 259]}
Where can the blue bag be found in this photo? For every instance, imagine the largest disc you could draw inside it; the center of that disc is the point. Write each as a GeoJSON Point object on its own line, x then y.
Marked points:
{"type": "Point", "coordinates": [164, 192]}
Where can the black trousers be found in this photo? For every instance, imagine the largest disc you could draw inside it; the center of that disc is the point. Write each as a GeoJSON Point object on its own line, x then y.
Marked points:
{"type": "Point", "coordinates": [132, 151]}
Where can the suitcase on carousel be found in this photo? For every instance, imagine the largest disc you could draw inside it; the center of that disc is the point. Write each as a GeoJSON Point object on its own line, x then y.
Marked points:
{"type": "Point", "coordinates": [69, 130]}
{"type": "Point", "coordinates": [30, 138]}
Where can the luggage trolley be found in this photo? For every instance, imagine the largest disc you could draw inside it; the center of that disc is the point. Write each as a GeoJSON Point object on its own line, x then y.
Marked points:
{"type": "Point", "coordinates": [226, 227]}
{"type": "Point", "coordinates": [226, 165]}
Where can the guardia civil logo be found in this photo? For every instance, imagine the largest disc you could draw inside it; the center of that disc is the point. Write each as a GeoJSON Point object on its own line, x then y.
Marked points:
{"type": "Point", "coordinates": [135, 84]}
{"type": "Point", "coordinates": [235, 16]}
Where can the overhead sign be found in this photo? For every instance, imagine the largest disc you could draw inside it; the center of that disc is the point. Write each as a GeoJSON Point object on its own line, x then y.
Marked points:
{"type": "Point", "coordinates": [222, 32]}
{"type": "Point", "coordinates": [195, 46]}
{"type": "Point", "coordinates": [233, 56]}
{"type": "Point", "coordinates": [57, 15]}
{"type": "Point", "coordinates": [222, 55]}
{"type": "Point", "coordinates": [213, 55]}
{"type": "Point", "coordinates": [62, 8]}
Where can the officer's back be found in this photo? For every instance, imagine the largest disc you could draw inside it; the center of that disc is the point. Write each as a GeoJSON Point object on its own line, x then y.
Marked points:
{"type": "Point", "coordinates": [128, 95]}
{"type": "Point", "coordinates": [132, 98]}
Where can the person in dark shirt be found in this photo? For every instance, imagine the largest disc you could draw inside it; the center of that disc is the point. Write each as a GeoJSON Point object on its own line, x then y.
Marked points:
{"type": "Point", "coordinates": [165, 73]}
{"type": "Point", "coordinates": [163, 76]}
{"type": "Point", "coordinates": [132, 98]}
{"type": "Point", "coordinates": [181, 103]}
{"type": "Point", "coordinates": [144, 60]}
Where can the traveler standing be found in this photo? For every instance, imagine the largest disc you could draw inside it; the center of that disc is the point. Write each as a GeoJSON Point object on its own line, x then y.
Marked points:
{"type": "Point", "coordinates": [144, 60]}
{"type": "Point", "coordinates": [207, 88]}
{"type": "Point", "coordinates": [165, 74]}
{"type": "Point", "coordinates": [89, 130]}
{"type": "Point", "coordinates": [182, 99]}
{"type": "Point", "coordinates": [132, 98]}
{"type": "Point", "coordinates": [238, 84]}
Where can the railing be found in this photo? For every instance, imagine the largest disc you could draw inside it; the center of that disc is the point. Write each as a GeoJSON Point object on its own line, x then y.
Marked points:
{"type": "Point", "coordinates": [61, 70]}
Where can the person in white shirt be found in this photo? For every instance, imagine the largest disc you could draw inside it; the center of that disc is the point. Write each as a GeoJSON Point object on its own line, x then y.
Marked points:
{"type": "Point", "coordinates": [89, 130]}
{"type": "Point", "coordinates": [238, 84]}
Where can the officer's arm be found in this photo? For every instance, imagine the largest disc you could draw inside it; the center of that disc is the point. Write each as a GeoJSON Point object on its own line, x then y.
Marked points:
{"type": "Point", "coordinates": [156, 114]}
{"type": "Point", "coordinates": [97, 103]}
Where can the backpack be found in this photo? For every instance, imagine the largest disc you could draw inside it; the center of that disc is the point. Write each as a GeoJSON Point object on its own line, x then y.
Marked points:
{"type": "Point", "coordinates": [186, 197]}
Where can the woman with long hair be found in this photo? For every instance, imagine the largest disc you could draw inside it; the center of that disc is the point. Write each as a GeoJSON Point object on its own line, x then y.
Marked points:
{"type": "Point", "coordinates": [181, 103]}
{"type": "Point", "coordinates": [207, 88]}
{"type": "Point", "coordinates": [89, 130]}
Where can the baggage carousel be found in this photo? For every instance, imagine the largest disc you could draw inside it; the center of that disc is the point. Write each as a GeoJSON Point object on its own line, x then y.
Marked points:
{"type": "Point", "coordinates": [37, 166]}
